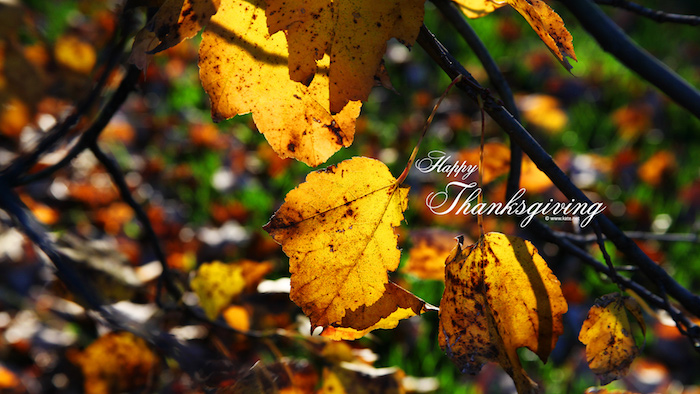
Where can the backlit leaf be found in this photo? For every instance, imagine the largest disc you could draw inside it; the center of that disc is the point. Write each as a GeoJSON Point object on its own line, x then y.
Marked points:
{"type": "Point", "coordinates": [116, 362]}
{"type": "Point", "coordinates": [245, 69]}
{"type": "Point", "coordinates": [546, 23]}
{"type": "Point", "coordinates": [337, 229]}
{"type": "Point", "coordinates": [353, 32]}
{"type": "Point", "coordinates": [610, 346]}
{"type": "Point", "coordinates": [499, 296]}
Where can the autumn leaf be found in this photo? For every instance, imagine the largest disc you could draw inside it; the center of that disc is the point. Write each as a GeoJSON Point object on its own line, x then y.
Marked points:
{"type": "Point", "coordinates": [115, 362]}
{"type": "Point", "coordinates": [352, 32]}
{"type": "Point", "coordinates": [499, 296]}
{"type": "Point", "coordinates": [610, 346]}
{"type": "Point", "coordinates": [245, 69]}
{"type": "Point", "coordinates": [75, 54]}
{"type": "Point", "coordinates": [361, 379]}
{"type": "Point", "coordinates": [217, 284]}
{"type": "Point", "coordinates": [543, 111]}
{"type": "Point", "coordinates": [337, 229]}
{"type": "Point", "coordinates": [177, 20]}
{"type": "Point", "coordinates": [546, 23]}
{"type": "Point", "coordinates": [428, 254]}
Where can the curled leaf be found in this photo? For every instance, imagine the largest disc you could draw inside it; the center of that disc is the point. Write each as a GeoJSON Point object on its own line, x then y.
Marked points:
{"type": "Point", "coordinates": [610, 346]}
{"type": "Point", "coordinates": [178, 20]}
{"type": "Point", "coordinates": [337, 229]}
{"type": "Point", "coordinates": [499, 296]}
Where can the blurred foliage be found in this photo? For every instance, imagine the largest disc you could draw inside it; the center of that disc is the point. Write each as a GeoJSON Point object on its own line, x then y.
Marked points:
{"type": "Point", "coordinates": [209, 188]}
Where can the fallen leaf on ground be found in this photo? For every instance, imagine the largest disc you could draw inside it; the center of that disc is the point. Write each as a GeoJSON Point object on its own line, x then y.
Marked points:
{"type": "Point", "coordinates": [610, 346]}
{"type": "Point", "coordinates": [338, 230]}
{"type": "Point", "coordinates": [245, 69]}
{"type": "Point", "coordinates": [499, 296]}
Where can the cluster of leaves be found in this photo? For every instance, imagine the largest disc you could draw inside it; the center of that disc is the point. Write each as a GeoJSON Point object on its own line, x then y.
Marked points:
{"type": "Point", "coordinates": [304, 81]}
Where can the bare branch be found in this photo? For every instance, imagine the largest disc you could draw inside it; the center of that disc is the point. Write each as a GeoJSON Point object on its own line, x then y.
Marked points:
{"type": "Point", "coordinates": [544, 162]}
{"type": "Point", "coordinates": [655, 15]}
{"type": "Point", "coordinates": [587, 238]}
{"type": "Point", "coordinates": [614, 41]}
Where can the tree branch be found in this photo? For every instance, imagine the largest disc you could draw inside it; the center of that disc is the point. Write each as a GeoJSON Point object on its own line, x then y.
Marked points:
{"type": "Point", "coordinates": [614, 41]}
{"type": "Point", "coordinates": [655, 15]}
{"type": "Point", "coordinates": [544, 162]}
{"type": "Point", "coordinates": [454, 16]}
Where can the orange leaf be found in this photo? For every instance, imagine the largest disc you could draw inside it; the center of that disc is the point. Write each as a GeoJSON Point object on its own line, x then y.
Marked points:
{"type": "Point", "coordinates": [499, 296]}
{"type": "Point", "coordinates": [75, 54]}
{"type": "Point", "coordinates": [610, 346]}
{"type": "Point", "coordinates": [337, 229]}
{"type": "Point", "coordinates": [428, 253]}
{"type": "Point", "coordinates": [244, 69]}
{"type": "Point", "coordinates": [352, 32]}
{"type": "Point", "coordinates": [115, 362]}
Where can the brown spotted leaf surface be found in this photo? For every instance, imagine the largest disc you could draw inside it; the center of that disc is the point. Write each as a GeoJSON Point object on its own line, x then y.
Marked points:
{"type": "Point", "coordinates": [610, 346]}
{"type": "Point", "coordinates": [499, 296]}
{"type": "Point", "coordinates": [338, 230]}
{"type": "Point", "coordinates": [245, 69]}
{"type": "Point", "coordinates": [177, 20]}
{"type": "Point", "coordinates": [353, 33]}
{"type": "Point", "coordinates": [542, 18]}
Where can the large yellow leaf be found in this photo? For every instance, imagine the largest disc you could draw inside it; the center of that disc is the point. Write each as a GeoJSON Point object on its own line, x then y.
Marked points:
{"type": "Point", "coordinates": [546, 23]}
{"type": "Point", "coordinates": [337, 229]}
{"type": "Point", "coordinates": [610, 346]}
{"type": "Point", "coordinates": [499, 296]}
{"type": "Point", "coordinates": [244, 69]}
{"type": "Point", "coordinates": [353, 32]}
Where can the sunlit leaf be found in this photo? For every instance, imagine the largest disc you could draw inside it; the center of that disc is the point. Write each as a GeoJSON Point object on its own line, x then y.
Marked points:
{"type": "Point", "coordinates": [337, 229]}
{"type": "Point", "coordinates": [499, 296]}
{"type": "Point", "coordinates": [426, 258]}
{"type": "Point", "coordinates": [610, 346]}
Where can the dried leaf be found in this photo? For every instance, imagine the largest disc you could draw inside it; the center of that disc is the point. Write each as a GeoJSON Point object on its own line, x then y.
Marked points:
{"type": "Point", "coordinates": [115, 362]}
{"type": "Point", "coordinates": [429, 252]}
{"type": "Point", "coordinates": [244, 69]}
{"type": "Point", "coordinates": [177, 20]}
{"type": "Point", "coordinates": [610, 346]}
{"type": "Point", "coordinates": [361, 379]}
{"type": "Point", "coordinates": [546, 23]}
{"type": "Point", "coordinates": [352, 32]}
{"type": "Point", "coordinates": [499, 296]}
{"type": "Point", "coordinates": [337, 229]}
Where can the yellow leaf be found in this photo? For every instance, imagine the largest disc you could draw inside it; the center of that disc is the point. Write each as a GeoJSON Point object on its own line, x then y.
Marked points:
{"type": "Point", "coordinates": [178, 20]}
{"type": "Point", "coordinates": [546, 23]}
{"type": "Point", "coordinates": [116, 362]}
{"type": "Point", "coordinates": [610, 346]}
{"type": "Point", "coordinates": [478, 8]}
{"type": "Point", "coordinates": [75, 54]}
{"type": "Point", "coordinates": [500, 296]}
{"type": "Point", "coordinates": [244, 69]}
{"type": "Point", "coordinates": [217, 284]}
{"type": "Point", "coordinates": [237, 317]}
{"type": "Point", "coordinates": [543, 111]}
{"type": "Point", "coordinates": [429, 252]}
{"type": "Point", "coordinates": [337, 229]}
{"type": "Point", "coordinates": [353, 32]}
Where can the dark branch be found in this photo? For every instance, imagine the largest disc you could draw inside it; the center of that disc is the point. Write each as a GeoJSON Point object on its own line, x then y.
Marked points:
{"type": "Point", "coordinates": [544, 162]}
{"type": "Point", "coordinates": [454, 16]}
{"type": "Point", "coordinates": [587, 238]}
{"type": "Point", "coordinates": [614, 41]}
{"type": "Point", "coordinates": [655, 15]}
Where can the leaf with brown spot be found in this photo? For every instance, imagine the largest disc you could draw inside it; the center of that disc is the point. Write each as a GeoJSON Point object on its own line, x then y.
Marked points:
{"type": "Point", "coordinates": [499, 296]}
{"type": "Point", "coordinates": [245, 69]}
{"type": "Point", "coordinates": [546, 23]}
{"type": "Point", "coordinates": [178, 20]}
{"type": "Point", "coordinates": [427, 256]}
{"type": "Point", "coordinates": [338, 230]}
{"type": "Point", "coordinates": [610, 346]}
{"type": "Point", "coordinates": [352, 32]}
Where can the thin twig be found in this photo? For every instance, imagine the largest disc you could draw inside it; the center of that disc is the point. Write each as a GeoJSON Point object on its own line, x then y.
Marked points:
{"type": "Point", "coordinates": [114, 171]}
{"type": "Point", "coordinates": [601, 244]}
{"type": "Point", "coordinates": [614, 41]}
{"type": "Point", "coordinates": [655, 15]}
{"type": "Point", "coordinates": [641, 235]}
{"type": "Point", "coordinates": [90, 135]}
{"type": "Point", "coordinates": [455, 17]}
{"type": "Point", "coordinates": [544, 162]}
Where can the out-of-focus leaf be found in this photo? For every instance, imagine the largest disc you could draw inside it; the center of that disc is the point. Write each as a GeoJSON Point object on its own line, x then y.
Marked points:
{"type": "Point", "coordinates": [658, 167]}
{"type": "Point", "coordinates": [75, 54]}
{"type": "Point", "coordinates": [427, 255]}
{"type": "Point", "coordinates": [543, 111]}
